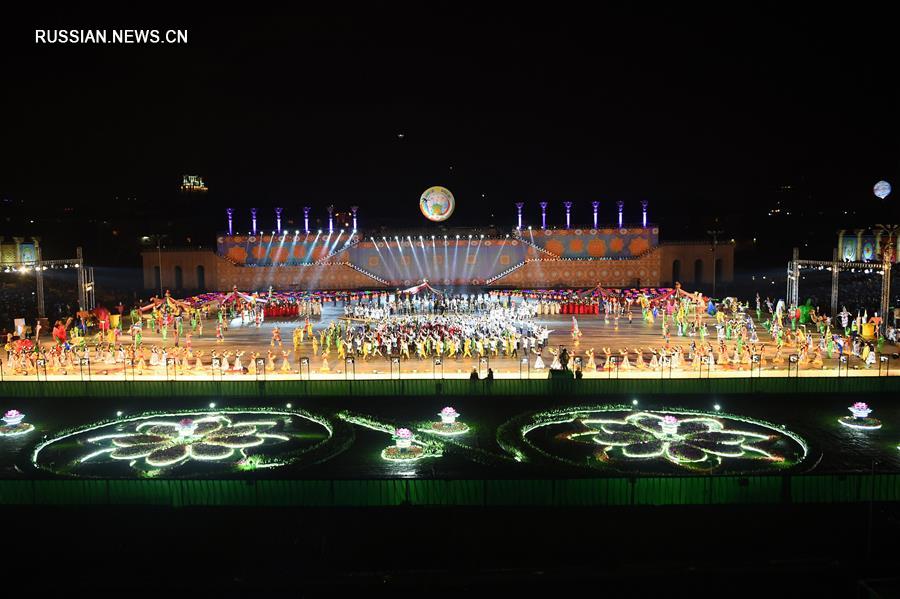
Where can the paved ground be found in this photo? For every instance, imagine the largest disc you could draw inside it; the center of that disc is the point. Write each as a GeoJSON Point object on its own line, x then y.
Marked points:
{"type": "Point", "coordinates": [597, 335]}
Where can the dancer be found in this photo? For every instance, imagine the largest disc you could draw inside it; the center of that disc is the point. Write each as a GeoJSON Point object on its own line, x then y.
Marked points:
{"type": "Point", "coordinates": [576, 332]}
{"type": "Point", "coordinates": [276, 337]}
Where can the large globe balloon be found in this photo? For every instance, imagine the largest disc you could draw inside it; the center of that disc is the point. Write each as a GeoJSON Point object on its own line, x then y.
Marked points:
{"type": "Point", "coordinates": [882, 189]}
{"type": "Point", "coordinates": [437, 203]}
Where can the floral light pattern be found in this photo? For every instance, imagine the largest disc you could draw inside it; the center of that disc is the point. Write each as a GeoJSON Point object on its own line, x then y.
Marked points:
{"type": "Point", "coordinates": [163, 443]}
{"type": "Point", "coordinates": [693, 442]}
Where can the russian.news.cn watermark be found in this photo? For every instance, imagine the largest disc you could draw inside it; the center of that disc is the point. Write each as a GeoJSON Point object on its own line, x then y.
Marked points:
{"type": "Point", "coordinates": [110, 36]}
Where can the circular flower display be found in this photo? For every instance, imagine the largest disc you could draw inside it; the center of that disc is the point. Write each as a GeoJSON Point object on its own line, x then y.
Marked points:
{"type": "Point", "coordinates": [13, 424]}
{"type": "Point", "coordinates": [666, 442]}
{"type": "Point", "coordinates": [403, 454]}
{"type": "Point", "coordinates": [185, 444]}
{"type": "Point", "coordinates": [860, 419]}
{"type": "Point", "coordinates": [448, 426]}
{"type": "Point", "coordinates": [437, 203]}
{"type": "Point", "coordinates": [405, 448]}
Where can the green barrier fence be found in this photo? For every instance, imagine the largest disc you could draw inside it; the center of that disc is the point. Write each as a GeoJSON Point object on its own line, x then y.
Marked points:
{"type": "Point", "coordinates": [449, 387]}
{"type": "Point", "coordinates": [389, 492]}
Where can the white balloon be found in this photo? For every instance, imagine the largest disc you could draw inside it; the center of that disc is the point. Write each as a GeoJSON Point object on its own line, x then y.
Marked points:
{"type": "Point", "coordinates": [882, 189]}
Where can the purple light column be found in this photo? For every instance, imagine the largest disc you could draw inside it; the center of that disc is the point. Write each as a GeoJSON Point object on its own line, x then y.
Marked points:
{"type": "Point", "coordinates": [519, 206]}
{"type": "Point", "coordinates": [621, 206]}
{"type": "Point", "coordinates": [596, 207]}
{"type": "Point", "coordinates": [278, 212]}
{"type": "Point", "coordinates": [306, 210]}
{"type": "Point", "coordinates": [230, 213]}
{"type": "Point", "coordinates": [644, 204]}
{"type": "Point", "coordinates": [543, 215]}
{"type": "Point", "coordinates": [253, 219]}
{"type": "Point", "coordinates": [568, 206]}
{"type": "Point", "coordinates": [330, 220]}
{"type": "Point", "coordinates": [354, 210]}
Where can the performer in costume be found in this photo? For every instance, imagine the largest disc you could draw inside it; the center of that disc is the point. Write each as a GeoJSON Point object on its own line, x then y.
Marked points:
{"type": "Point", "coordinates": [639, 362]}
{"type": "Point", "coordinates": [555, 365]}
{"type": "Point", "coordinates": [576, 332]}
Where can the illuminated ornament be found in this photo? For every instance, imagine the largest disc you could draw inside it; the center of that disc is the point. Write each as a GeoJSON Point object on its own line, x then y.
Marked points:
{"type": "Point", "coordinates": [868, 251]}
{"type": "Point", "coordinates": [13, 417]}
{"type": "Point", "coordinates": [448, 425]}
{"type": "Point", "coordinates": [448, 415]}
{"type": "Point", "coordinates": [403, 448]}
{"type": "Point", "coordinates": [437, 204]}
{"type": "Point", "coordinates": [860, 419]}
{"type": "Point", "coordinates": [14, 425]}
{"type": "Point", "coordinates": [669, 426]}
{"type": "Point", "coordinates": [882, 189]}
{"type": "Point", "coordinates": [403, 438]}
{"type": "Point", "coordinates": [150, 444]}
{"type": "Point", "coordinates": [621, 439]}
{"type": "Point", "coordinates": [860, 410]}
{"type": "Point", "coordinates": [186, 427]}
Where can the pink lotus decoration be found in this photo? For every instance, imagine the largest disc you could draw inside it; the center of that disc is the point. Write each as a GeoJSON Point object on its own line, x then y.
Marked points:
{"type": "Point", "coordinates": [860, 410]}
{"type": "Point", "coordinates": [13, 417]}
{"type": "Point", "coordinates": [403, 438]}
{"type": "Point", "coordinates": [669, 425]}
{"type": "Point", "coordinates": [448, 415]}
{"type": "Point", "coordinates": [186, 427]}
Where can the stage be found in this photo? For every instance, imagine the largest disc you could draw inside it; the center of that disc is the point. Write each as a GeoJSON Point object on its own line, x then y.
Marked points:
{"type": "Point", "coordinates": [597, 333]}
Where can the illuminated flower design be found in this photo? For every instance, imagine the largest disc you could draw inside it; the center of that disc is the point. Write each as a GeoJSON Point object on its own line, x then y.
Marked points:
{"type": "Point", "coordinates": [448, 425]}
{"type": "Point", "coordinates": [860, 419]}
{"type": "Point", "coordinates": [638, 246]}
{"type": "Point", "coordinates": [691, 442]}
{"type": "Point", "coordinates": [13, 417]}
{"type": "Point", "coordinates": [860, 409]}
{"type": "Point", "coordinates": [448, 415]}
{"type": "Point", "coordinates": [403, 438]}
{"type": "Point", "coordinates": [163, 444]}
{"type": "Point", "coordinates": [403, 449]}
{"type": "Point", "coordinates": [13, 424]}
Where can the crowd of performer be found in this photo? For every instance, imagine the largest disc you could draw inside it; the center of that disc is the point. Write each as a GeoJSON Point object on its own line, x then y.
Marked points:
{"type": "Point", "coordinates": [383, 305]}
{"type": "Point", "coordinates": [499, 331]}
{"type": "Point", "coordinates": [694, 333]}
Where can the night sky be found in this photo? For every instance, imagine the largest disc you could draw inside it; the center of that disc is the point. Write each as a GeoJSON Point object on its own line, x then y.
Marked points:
{"type": "Point", "coordinates": [706, 115]}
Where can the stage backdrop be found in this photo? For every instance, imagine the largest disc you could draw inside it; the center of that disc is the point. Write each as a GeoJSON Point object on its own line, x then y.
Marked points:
{"type": "Point", "coordinates": [596, 243]}
{"type": "Point", "coordinates": [463, 261]}
{"type": "Point", "coordinates": [526, 259]}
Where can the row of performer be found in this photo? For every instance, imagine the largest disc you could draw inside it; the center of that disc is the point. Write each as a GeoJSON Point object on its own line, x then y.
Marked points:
{"type": "Point", "coordinates": [185, 360]}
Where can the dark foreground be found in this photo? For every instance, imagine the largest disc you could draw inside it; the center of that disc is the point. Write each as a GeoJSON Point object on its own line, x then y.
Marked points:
{"type": "Point", "coordinates": [778, 549]}
{"type": "Point", "coordinates": [824, 551]}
